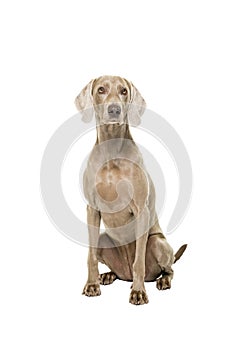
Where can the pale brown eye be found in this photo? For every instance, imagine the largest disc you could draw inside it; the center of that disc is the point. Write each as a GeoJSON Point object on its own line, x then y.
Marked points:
{"type": "Point", "coordinates": [124, 92]}
{"type": "Point", "coordinates": [101, 90]}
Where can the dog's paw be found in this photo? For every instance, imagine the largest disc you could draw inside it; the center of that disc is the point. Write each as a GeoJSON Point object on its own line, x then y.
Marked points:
{"type": "Point", "coordinates": [107, 278]}
{"type": "Point", "coordinates": [163, 282]}
{"type": "Point", "coordinates": [138, 297]}
{"type": "Point", "coordinates": [91, 289]}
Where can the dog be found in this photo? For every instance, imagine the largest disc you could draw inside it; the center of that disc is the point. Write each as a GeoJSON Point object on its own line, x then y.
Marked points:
{"type": "Point", "coordinates": [121, 193]}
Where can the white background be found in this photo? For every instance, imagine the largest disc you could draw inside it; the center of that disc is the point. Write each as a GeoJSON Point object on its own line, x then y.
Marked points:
{"type": "Point", "coordinates": [179, 55]}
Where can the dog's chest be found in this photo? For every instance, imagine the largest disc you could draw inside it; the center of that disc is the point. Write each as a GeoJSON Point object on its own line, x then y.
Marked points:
{"type": "Point", "coordinates": [115, 178]}
{"type": "Point", "coordinates": [116, 188]}
{"type": "Point", "coordinates": [111, 177]}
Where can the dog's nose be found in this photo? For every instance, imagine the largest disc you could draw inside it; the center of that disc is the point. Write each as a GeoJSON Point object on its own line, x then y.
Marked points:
{"type": "Point", "coordinates": [114, 111]}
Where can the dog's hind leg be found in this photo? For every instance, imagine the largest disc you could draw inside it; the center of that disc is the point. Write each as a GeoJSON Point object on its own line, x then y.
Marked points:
{"type": "Point", "coordinates": [159, 260]}
{"type": "Point", "coordinates": [165, 258]}
{"type": "Point", "coordinates": [117, 258]}
{"type": "Point", "coordinates": [107, 278]}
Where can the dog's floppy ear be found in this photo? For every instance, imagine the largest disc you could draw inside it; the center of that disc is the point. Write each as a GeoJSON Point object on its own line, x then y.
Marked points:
{"type": "Point", "coordinates": [137, 106]}
{"type": "Point", "coordinates": [84, 102]}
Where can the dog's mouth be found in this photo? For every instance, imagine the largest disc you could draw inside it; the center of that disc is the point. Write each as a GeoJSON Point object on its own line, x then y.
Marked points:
{"type": "Point", "coordinates": [113, 121]}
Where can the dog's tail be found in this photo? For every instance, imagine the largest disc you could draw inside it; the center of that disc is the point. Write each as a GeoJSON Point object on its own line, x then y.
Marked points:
{"type": "Point", "coordinates": [180, 252]}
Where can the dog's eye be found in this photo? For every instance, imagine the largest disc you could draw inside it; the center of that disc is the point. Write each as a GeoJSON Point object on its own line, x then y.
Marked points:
{"type": "Point", "coordinates": [124, 92]}
{"type": "Point", "coordinates": [101, 90]}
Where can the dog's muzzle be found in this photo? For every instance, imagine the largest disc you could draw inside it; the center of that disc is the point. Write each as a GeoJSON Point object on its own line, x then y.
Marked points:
{"type": "Point", "coordinates": [114, 111]}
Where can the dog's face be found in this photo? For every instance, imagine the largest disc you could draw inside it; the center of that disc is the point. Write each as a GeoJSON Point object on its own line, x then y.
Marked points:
{"type": "Point", "coordinates": [111, 97]}
{"type": "Point", "coordinates": [114, 99]}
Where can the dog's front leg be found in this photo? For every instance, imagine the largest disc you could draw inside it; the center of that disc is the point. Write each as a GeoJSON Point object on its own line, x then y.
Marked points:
{"type": "Point", "coordinates": [92, 287]}
{"type": "Point", "coordinates": [138, 294]}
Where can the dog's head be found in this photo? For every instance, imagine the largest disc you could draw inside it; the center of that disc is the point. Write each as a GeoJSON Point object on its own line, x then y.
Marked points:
{"type": "Point", "coordinates": [115, 101]}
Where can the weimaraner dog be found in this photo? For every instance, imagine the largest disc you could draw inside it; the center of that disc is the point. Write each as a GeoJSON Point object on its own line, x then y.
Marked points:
{"type": "Point", "coordinates": [120, 192]}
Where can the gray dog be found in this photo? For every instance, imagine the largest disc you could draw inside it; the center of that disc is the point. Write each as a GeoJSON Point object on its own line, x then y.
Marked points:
{"type": "Point", "coordinates": [121, 193]}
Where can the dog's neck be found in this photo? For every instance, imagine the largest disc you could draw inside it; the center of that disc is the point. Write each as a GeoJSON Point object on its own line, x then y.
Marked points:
{"type": "Point", "coordinates": [112, 131]}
